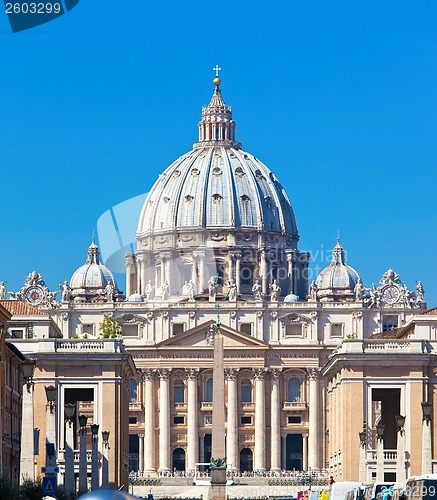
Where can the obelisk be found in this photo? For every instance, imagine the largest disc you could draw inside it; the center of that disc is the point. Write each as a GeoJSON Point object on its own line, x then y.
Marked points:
{"type": "Point", "coordinates": [218, 459]}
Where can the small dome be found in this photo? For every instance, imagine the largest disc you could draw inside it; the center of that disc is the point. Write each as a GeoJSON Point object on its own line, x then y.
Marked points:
{"type": "Point", "coordinates": [135, 297]}
{"type": "Point", "coordinates": [93, 279]}
{"type": "Point", "coordinates": [291, 297]}
{"type": "Point", "coordinates": [337, 280]}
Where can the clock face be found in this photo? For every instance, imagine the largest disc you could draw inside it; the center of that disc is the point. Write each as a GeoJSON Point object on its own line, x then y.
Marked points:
{"type": "Point", "coordinates": [34, 295]}
{"type": "Point", "coordinates": [390, 294]}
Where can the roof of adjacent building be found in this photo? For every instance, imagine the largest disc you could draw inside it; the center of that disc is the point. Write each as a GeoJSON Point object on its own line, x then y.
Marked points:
{"type": "Point", "coordinates": [20, 308]}
{"type": "Point", "coordinates": [397, 333]}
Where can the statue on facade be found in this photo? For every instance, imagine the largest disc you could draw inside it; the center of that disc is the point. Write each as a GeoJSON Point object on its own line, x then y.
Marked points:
{"type": "Point", "coordinates": [3, 290]}
{"type": "Point", "coordinates": [375, 296]}
{"type": "Point", "coordinates": [191, 290]}
{"type": "Point", "coordinates": [165, 290]}
{"type": "Point", "coordinates": [359, 290]}
{"type": "Point", "coordinates": [109, 291]}
{"type": "Point", "coordinates": [312, 295]}
{"type": "Point", "coordinates": [51, 300]}
{"type": "Point", "coordinates": [212, 286]}
{"type": "Point", "coordinates": [257, 290]}
{"type": "Point", "coordinates": [232, 290]}
{"type": "Point", "coordinates": [150, 290]}
{"type": "Point", "coordinates": [275, 290]}
{"type": "Point", "coordinates": [34, 279]}
{"type": "Point", "coordinates": [406, 295]}
{"type": "Point", "coordinates": [420, 293]}
{"type": "Point", "coordinates": [65, 291]}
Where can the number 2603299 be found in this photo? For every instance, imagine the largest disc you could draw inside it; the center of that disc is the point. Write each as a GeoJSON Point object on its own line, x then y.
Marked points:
{"type": "Point", "coordinates": [33, 8]}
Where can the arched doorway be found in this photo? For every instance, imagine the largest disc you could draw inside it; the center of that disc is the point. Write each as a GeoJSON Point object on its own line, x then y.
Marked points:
{"type": "Point", "coordinates": [246, 460]}
{"type": "Point", "coordinates": [178, 459]}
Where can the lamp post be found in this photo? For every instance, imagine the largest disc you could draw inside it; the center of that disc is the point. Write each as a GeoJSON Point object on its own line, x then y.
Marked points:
{"type": "Point", "coordinates": [69, 482]}
{"type": "Point", "coordinates": [27, 460]}
{"type": "Point", "coordinates": [400, 454]}
{"type": "Point", "coordinates": [95, 458]}
{"type": "Point", "coordinates": [380, 452]}
{"type": "Point", "coordinates": [363, 450]}
{"type": "Point", "coordinates": [51, 394]}
{"type": "Point", "coordinates": [426, 438]}
{"type": "Point", "coordinates": [105, 469]}
{"type": "Point", "coordinates": [83, 465]}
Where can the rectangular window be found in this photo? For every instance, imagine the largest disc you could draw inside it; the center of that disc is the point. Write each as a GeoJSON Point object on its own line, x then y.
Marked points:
{"type": "Point", "coordinates": [337, 330]}
{"type": "Point", "coordinates": [246, 393]}
{"type": "Point", "coordinates": [246, 420]}
{"type": "Point", "coordinates": [294, 330]}
{"type": "Point", "coordinates": [133, 420]}
{"type": "Point", "coordinates": [17, 334]}
{"type": "Point", "coordinates": [178, 328]}
{"type": "Point", "coordinates": [389, 322]}
{"type": "Point", "coordinates": [294, 420]}
{"type": "Point", "coordinates": [246, 328]}
{"type": "Point", "coordinates": [179, 394]}
{"type": "Point", "coordinates": [178, 420]}
{"type": "Point", "coordinates": [88, 329]}
{"type": "Point", "coordinates": [130, 330]}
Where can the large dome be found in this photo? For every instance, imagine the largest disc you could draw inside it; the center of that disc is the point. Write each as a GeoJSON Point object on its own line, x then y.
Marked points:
{"type": "Point", "coordinates": [217, 185]}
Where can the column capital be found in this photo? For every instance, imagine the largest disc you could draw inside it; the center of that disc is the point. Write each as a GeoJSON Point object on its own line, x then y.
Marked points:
{"type": "Point", "coordinates": [164, 373]}
{"type": "Point", "coordinates": [259, 373]}
{"type": "Point", "coordinates": [313, 373]}
{"type": "Point", "coordinates": [192, 373]}
{"type": "Point", "coordinates": [148, 373]}
{"type": "Point", "coordinates": [129, 259]}
{"type": "Point", "coordinates": [276, 373]}
{"type": "Point", "coordinates": [231, 373]}
{"type": "Point", "coordinates": [141, 436]}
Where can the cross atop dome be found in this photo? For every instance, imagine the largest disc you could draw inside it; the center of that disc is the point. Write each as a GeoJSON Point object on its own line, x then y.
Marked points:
{"type": "Point", "coordinates": [217, 81]}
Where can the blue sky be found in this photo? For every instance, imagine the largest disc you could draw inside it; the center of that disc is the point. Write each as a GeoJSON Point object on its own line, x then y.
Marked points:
{"type": "Point", "coordinates": [338, 98]}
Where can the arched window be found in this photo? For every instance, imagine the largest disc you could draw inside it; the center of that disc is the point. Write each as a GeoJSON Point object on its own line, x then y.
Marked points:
{"type": "Point", "coordinates": [133, 390]}
{"type": "Point", "coordinates": [294, 390]}
{"type": "Point", "coordinates": [246, 391]}
{"type": "Point", "coordinates": [178, 391]}
{"type": "Point", "coordinates": [208, 390]}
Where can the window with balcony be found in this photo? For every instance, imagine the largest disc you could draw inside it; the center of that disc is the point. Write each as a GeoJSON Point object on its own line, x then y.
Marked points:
{"type": "Point", "coordinates": [246, 391]}
{"type": "Point", "coordinates": [179, 392]}
{"type": "Point", "coordinates": [208, 390]}
{"type": "Point", "coordinates": [133, 390]}
{"type": "Point", "coordinates": [293, 395]}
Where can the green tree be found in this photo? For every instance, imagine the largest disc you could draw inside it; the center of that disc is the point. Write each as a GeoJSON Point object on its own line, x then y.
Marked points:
{"type": "Point", "coordinates": [110, 328]}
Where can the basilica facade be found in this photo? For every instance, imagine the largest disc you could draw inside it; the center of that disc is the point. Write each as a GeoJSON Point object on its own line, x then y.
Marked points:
{"type": "Point", "coordinates": [317, 375]}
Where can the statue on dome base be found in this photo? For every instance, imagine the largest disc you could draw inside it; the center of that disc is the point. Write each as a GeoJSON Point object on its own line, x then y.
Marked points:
{"type": "Point", "coordinates": [190, 290]}
{"type": "Point", "coordinates": [312, 295]}
{"type": "Point", "coordinates": [150, 290]}
{"type": "Point", "coordinates": [65, 291]}
{"type": "Point", "coordinates": [257, 290]}
{"type": "Point", "coordinates": [165, 290]}
{"type": "Point", "coordinates": [232, 291]}
{"type": "Point", "coordinates": [2, 290]}
{"type": "Point", "coordinates": [359, 290]}
{"type": "Point", "coordinates": [212, 288]}
{"type": "Point", "coordinates": [420, 293]}
{"type": "Point", "coordinates": [275, 291]}
{"type": "Point", "coordinates": [109, 292]}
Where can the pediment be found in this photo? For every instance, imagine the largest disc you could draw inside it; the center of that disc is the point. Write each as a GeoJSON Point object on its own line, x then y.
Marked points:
{"type": "Point", "coordinates": [294, 318]}
{"type": "Point", "coordinates": [197, 337]}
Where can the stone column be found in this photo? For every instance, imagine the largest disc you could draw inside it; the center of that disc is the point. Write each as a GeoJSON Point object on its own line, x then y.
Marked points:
{"type": "Point", "coordinates": [83, 464]}
{"type": "Point", "coordinates": [238, 271]}
{"type": "Point", "coordinates": [27, 466]}
{"type": "Point", "coordinates": [305, 452]}
{"type": "Point", "coordinates": [192, 430]}
{"type": "Point", "coordinates": [200, 257]}
{"type": "Point", "coordinates": [400, 462]}
{"type": "Point", "coordinates": [141, 453]}
{"type": "Point", "coordinates": [283, 451]}
{"type": "Point", "coordinates": [69, 483]}
{"type": "Point", "coordinates": [231, 266]}
{"type": "Point", "coordinates": [164, 419]}
{"type": "Point", "coordinates": [51, 431]}
{"type": "Point", "coordinates": [95, 463]}
{"type": "Point", "coordinates": [290, 271]}
{"type": "Point", "coordinates": [202, 448]}
{"type": "Point", "coordinates": [313, 444]}
{"type": "Point", "coordinates": [140, 285]}
{"type": "Point", "coordinates": [149, 421]}
{"type": "Point", "coordinates": [379, 459]}
{"type": "Point", "coordinates": [129, 272]}
{"type": "Point", "coordinates": [260, 438]}
{"type": "Point", "coordinates": [263, 268]}
{"type": "Point", "coordinates": [426, 447]}
{"type": "Point", "coordinates": [232, 423]}
{"type": "Point", "coordinates": [275, 422]}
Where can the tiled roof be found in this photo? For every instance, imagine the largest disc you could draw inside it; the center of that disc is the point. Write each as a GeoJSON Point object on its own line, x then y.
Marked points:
{"type": "Point", "coordinates": [20, 308]}
{"type": "Point", "coordinates": [431, 311]}
{"type": "Point", "coordinates": [397, 333]}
